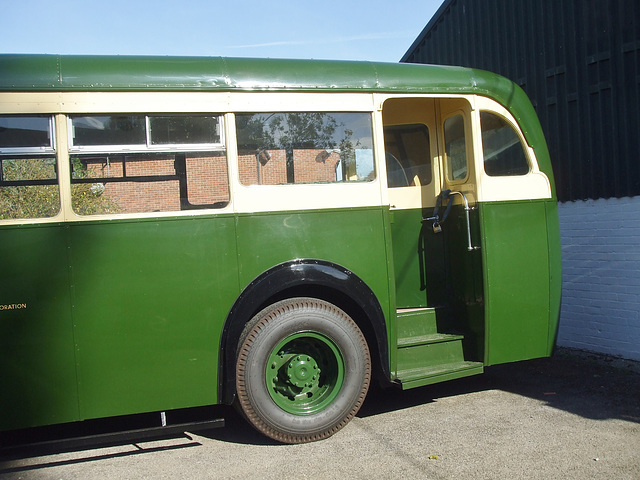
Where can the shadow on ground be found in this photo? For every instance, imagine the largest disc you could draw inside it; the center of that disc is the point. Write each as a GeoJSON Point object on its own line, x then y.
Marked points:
{"type": "Point", "coordinates": [589, 385]}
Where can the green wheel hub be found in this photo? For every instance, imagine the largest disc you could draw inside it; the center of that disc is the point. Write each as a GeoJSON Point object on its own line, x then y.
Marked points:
{"type": "Point", "coordinates": [304, 373]}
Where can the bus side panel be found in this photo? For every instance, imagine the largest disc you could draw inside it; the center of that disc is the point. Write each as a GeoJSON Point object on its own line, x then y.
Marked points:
{"type": "Point", "coordinates": [353, 238]}
{"type": "Point", "coordinates": [37, 365]}
{"type": "Point", "coordinates": [419, 260]}
{"type": "Point", "coordinates": [516, 258]}
{"type": "Point", "coordinates": [555, 269]}
{"type": "Point", "coordinates": [150, 299]}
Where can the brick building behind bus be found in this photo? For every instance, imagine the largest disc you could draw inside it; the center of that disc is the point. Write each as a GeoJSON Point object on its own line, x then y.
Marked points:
{"type": "Point", "coordinates": [154, 184]}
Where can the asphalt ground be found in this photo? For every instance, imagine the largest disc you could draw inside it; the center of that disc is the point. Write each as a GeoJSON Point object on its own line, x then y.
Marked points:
{"type": "Point", "coordinates": [574, 416]}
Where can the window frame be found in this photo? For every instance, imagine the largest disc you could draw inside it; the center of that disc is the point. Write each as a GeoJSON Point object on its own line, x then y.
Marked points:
{"type": "Point", "coordinates": [148, 146]}
{"type": "Point", "coordinates": [535, 185]}
{"type": "Point", "coordinates": [123, 151]}
{"type": "Point", "coordinates": [468, 141]}
{"type": "Point", "coordinates": [340, 164]}
{"type": "Point", "coordinates": [244, 199]}
{"type": "Point", "coordinates": [41, 150]}
{"type": "Point", "coordinates": [518, 134]}
{"type": "Point", "coordinates": [35, 153]}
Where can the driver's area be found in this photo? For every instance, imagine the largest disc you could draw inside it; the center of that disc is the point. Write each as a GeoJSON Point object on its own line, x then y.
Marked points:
{"type": "Point", "coordinates": [407, 150]}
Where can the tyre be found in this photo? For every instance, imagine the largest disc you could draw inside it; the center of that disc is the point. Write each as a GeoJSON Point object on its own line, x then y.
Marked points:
{"type": "Point", "coordinates": [303, 370]}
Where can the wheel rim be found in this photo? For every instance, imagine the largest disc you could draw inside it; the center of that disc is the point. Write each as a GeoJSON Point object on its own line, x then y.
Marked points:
{"type": "Point", "coordinates": [304, 373]}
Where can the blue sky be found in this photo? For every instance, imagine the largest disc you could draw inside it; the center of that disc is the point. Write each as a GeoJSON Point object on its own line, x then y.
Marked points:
{"type": "Point", "coordinates": [373, 30]}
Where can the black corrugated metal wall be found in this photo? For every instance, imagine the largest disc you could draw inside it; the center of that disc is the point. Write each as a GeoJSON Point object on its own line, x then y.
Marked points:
{"type": "Point", "coordinates": [579, 62]}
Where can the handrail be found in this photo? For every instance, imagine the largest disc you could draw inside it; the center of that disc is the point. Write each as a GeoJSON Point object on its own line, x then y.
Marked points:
{"type": "Point", "coordinates": [467, 209]}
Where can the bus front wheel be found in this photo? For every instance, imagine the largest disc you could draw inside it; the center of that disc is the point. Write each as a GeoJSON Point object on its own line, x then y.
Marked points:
{"type": "Point", "coordinates": [303, 370]}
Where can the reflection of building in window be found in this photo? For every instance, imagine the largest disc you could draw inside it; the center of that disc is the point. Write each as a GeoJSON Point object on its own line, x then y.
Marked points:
{"type": "Point", "coordinates": [269, 167]}
{"type": "Point", "coordinates": [191, 172]}
{"type": "Point", "coordinates": [154, 182]}
{"type": "Point", "coordinates": [312, 147]}
{"type": "Point", "coordinates": [311, 166]}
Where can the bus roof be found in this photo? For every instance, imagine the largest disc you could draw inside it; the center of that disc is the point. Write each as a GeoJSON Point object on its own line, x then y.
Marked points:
{"type": "Point", "coordinates": [156, 73]}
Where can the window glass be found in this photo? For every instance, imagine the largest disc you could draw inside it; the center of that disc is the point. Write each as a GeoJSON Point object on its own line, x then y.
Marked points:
{"type": "Point", "coordinates": [175, 130]}
{"type": "Point", "coordinates": [25, 132]}
{"type": "Point", "coordinates": [28, 188]}
{"type": "Point", "coordinates": [503, 152]}
{"type": "Point", "coordinates": [108, 130]}
{"type": "Point", "coordinates": [148, 182]}
{"type": "Point", "coordinates": [455, 148]}
{"type": "Point", "coordinates": [178, 163]}
{"type": "Point", "coordinates": [408, 155]}
{"type": "Point", "coordinates": [28, 175]}
{"type": "Point", "coordinates": [285, 148]}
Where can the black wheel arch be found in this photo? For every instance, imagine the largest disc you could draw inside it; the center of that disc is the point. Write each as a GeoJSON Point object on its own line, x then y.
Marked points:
{"type": "Point", "coordinates": [311, 278]}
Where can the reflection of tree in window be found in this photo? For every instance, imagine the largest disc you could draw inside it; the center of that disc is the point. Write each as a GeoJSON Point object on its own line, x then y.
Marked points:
{"type": "Point", "coordinates": [89, 198]}
{"type": "Point", "coordinates": [28, 179]}
{"type": "Point", "coordinates": [310, 147]}
{"type": "Point", "coordinates": [28, 188]}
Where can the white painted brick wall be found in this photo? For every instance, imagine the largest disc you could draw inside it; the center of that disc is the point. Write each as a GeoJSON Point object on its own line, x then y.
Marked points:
{"type": "Point", "coordinates": [601, 276]}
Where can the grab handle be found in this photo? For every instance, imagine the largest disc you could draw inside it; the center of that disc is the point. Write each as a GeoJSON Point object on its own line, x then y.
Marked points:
{"type": "Point", "coordinates": [467, 209]}
{"type": "Point", "coordinates": [437, 228]}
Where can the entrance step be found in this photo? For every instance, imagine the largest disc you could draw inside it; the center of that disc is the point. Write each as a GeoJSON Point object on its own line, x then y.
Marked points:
{"type": "Point", "coordinates": [414, 322]}
{"type": "Point", "coordinates": [426, 356]}
{"type": "Point", "coordinates": [429, 350]}
{"type": "Point", "coordinates": [419, 377]}
{"type": "Point", "coordinates": [429, 339]}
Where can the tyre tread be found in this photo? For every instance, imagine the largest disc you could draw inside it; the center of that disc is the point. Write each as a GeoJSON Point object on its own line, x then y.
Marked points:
{"type": "Point", "coordinates": [268, 316]}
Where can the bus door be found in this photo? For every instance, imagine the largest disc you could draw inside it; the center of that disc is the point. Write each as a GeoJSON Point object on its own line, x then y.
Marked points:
{"type": "Point", "coordinates": [438, 280]}
{"type": "Point", "coordinates": [458, 220]}
{"type": "Point", "coordinates": [414, 182]}
{"type": "Point", "coordinates": [515, 204]}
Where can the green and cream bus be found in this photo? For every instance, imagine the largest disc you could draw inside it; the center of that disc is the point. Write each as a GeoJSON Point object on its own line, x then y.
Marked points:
{"type": "Point", "coordinates": [183, 232]}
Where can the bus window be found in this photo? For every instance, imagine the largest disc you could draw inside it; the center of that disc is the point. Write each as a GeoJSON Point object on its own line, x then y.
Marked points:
{"type": "Point", "coordinates": [287, 148]}
{"type": "Point", "coordinates": [28, 174]}
{"type": "Point", "coordinates": [408, 155]}
{"type": "Point", "coordinates": [503, 152]}
{"type": "Point", "coordinates": [139, 163]}
{"type": "Point", "coordinates": [455, 148]}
